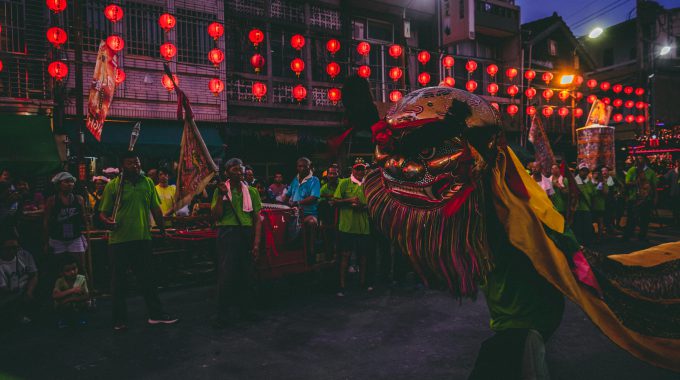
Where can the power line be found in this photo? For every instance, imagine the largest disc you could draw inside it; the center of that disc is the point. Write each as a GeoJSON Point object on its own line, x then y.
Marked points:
{"type": "Point", "coordinates": [600, 13]}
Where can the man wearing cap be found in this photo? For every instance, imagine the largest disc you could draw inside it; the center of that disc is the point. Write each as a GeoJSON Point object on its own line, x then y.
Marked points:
{"type": "Point", "coordinates": [353, 225]}
{"type": "Point", "coordinates": [130, 239]}
{"type": "Point", "coordinates": [583, 220]}
{"type": "Point", "coordinates": [304, 193]}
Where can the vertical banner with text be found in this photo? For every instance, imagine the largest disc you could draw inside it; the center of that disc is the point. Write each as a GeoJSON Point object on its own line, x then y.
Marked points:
{"type": "Point", "coordinates": [101, 90]}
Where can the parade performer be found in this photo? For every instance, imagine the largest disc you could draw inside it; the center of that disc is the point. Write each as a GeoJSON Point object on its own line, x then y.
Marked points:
{"type": "Point", "coordinates": [456, 199]}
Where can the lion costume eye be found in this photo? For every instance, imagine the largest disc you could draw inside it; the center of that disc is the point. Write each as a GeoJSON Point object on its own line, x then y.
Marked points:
{"type": "Point", "coordinates": [427, 153]}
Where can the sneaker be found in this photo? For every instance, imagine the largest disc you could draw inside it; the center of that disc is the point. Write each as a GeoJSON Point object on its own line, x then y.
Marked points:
{"type": "Point", "coordinates": [164, 319]}
{"type": "Point", "coordinates": [82, 322]}
{"type": "Point", "coordinates": [25, 320]}
{"type": "Point", "coordinates": [369, 289]}
{"type": "Point", "coordinates": [340, 293]}
{"type": "Point", "coordinates": [120, 327]}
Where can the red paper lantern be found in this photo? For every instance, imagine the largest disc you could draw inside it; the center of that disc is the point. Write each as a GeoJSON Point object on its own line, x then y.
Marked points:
{"type": "Point", "coordinates": [395, 51]}
{"type": "Point", "coordinates": [297, 42]}
{"type": "Point", "coordinates": [333, 46]}
{"type": "Point", "coordinates": [547, 111]}
{"type": "Point", "coordinates": [167, 82]}
{"type": "Point", "coordinates": [423, 57]}
{"type": "Point", "coordinates": [618, 117]}
{"type": "Point", "coordinates": [423, 78]}
{"type": "Point", "coordinates": [639, 91]}
{"type": "Point", "coordinates": [606, 101]}
{"type": "Point", "coordinates": [591, 98]}
{"type": "Point", "coordinates": [299, 92]}
{"type": "Point", "coordinates": [256, 36]}
{"type": "Point", "coordinates": [471, 85]}
{"type": "Point", "coordinates": [492, 70]}
{"type": "Point", "coordinates": [363, 48]}
{"type": "Point", "coordinates": [639, 105]}
{"type": "Point", "coordinates": [216, 30]}
{"type": "Point", "coordinates": [115, 43]}
{"type": "Point", "coordinates": [448, 61]}
{"type": "Point", "coordinates": [120, 76]}
{"type": "Point", "coordinates": [57, 70]}
{"type": "Point", "coordinates": [167, 21]}
{"type": "Point", "coordinates": [492, 88]}
{"type": "Point", "coordinates": [530, 75]}
{"type": "Point", "coordinates": [605, 86]}
{"type": "Point", "coordinates": [259, 90]}
{"type": "Point", "coordinates": [591, 83]}
{"type": "Point", "coordinates": [628, 90]}
{"type": "Point", "coordinates": [531, 110]}
{"type": "Point", "coordinates": [530, 92]}
{"type": "Point", "coordinates": [630, 118]}
{"type": "Point", "coordinates": [333, 69]}
{"type": "Point", "coordinates": [57, 36]}
{"type": "Point", "coordinates": [563, 111]}
{"type": "Point", "coordinates": [547, 94]}
{"type": "Point", "coordinates": [511, 73]}
{"type": "Point", "coordinates": [512, 90]}
{"type": "Point", "coordinates": [629, 104]}
{"type": "Point", "coordinates": [563, 95]}
{"type": "Point", "coordinates": [113, 12]}
{"type": "Point", "coordinates": [578, 112]}
{"type": "Point", "coordinates": [579, 80]}
{"type": "Point", "coordinates": [547, 77]}
{"type": "Point", "coordinates": [617, 88]}
{"type": "Point", "coordinates": [169, 50]}
{"type": "Point", "coordinates": [257, 61]}
{"type": "Point", "coordinates": [617, 103]}
{"type": "Point", "coordinates": [297, 65]}
{"type": "Point", "coordinates": [364, 71]}
{"type": "Point", "coordinates": [216, 56]}
{"type": "Point", "coordinates": [579, 95]}
{"type": "Point", "coordinates": [216, 86]}
{"type": "Point", "coordinates": [395, 96]}
{"type": "Point", "coordinates": [640, 119]}
{"type": "Point", "coordinates": [470, 66]}
{"type": "Point", "coordinates": [334, 95]}
{"type": "Point", "coordinates": [56, 6]}
{"type": "Point", "coordinates": [512, 109]}
{"type": "Point", "coordinates": [395, 73]}
{"type": "Point", "coordinates": [449, 81]}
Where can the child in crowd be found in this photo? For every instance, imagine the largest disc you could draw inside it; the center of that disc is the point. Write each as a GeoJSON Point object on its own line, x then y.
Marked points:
{"type": "Point", "coordinates": [71, 295]}
{"type": "Point", "coordinates": [18, 279]}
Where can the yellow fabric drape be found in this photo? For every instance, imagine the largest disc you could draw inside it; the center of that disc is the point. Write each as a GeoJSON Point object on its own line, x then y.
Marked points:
{"type": "Point", "coordinates": [523, 221]}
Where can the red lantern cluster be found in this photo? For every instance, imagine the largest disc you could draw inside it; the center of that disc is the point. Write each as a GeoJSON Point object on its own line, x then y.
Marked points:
{"type": "Point", "coordinates": [591, 83]}
{"type": "Point", "coordinates": [297, 42]}
{"type": "Point", "coordinates": [492, 88]}
{"type": "Point", "coordinates": [449, 81]}
{"type": "Point", "coordinates": [215, 30]}
{"type": "Point", "coordinates": [578, 112]}
{"type": "Point", "coordinates": [512, 109]}
{"type": "Point", "coordinates": [530, 92]}
{"type": "Point", "coordinates": [115, 43]}
{"type": "Point", "coordinates": [531, 110]}
{"type": "Point", "coordinates": [547, 111]}
{"type": "Point", "coordinates": [334, 95]}
{"type": "Point", "coordinates": [563, 111]}
{"type": "Point", "coordinates": [395, 51]}
{"type": "Point", "coordinates": [256, 36]}
{"type": "Point", "coordinates": [113, 13]}
{"type": "Point", "coordinates": [530, 75]}
{"type": "Point", "coordinates": [333, 69]}
{"type": "Point", "coordinates": [259, 90]}
{"type": "Point", "coordinates": [470, 66]}
{"type": "Point", "coordinates": [363, 48]}
{"type": "Point", "coordinates": [423, 78]}
{"type": "Point", "coordinates": [297, 65]}
{"type": "Point", "coordinates": [511, 73]}
{"type": "Point", "coordinates": [57, 70]}
{"type": "Point", "coordinates": [333, 46]}
{"type": "Point", "coordinates": [639, 91]}
{"type": "Point", "coordinates": [257, 62]}
{"type": "Point", "coordinates": [605, 86]}
{"type": "Point", "coordinates": [167, 22]}
{"type": "Point", "coordinates": [216, 86]}
{"type": "Point", "coordinates": [168, 50]}
{"type": "Point", "coordinates": [120, 76]}
{"type": "Point", "coordinates": [471, 85]}
{"type": "Point", "coordinates": [364, 71]}
{"type": "Point", "coordinates": [216, 56]}
{"type": "Point", "coordinates": [547, 77]}
{"type": "Point", "coordinates": [512, 90]}
{"type": "Point", "coordinates": [423, 57]}
{"type": "Point", "coordinates": [56, 36]}
{"type": "Point", "coordinates": [299, 92]}
{"type": "Point", "coordinates": [547, 94]}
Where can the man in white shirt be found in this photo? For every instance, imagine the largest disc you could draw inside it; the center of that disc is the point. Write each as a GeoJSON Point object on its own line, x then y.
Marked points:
{"type": "Point", "coordinates": [543, 181]}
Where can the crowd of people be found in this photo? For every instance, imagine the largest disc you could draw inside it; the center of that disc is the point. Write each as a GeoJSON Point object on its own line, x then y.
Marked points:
{"type": "Point", "coordinates": [610, 203]}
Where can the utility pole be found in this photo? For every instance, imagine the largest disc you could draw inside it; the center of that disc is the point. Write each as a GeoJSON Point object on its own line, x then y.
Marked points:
{"type": "Point", "coordinates": [78, 40]}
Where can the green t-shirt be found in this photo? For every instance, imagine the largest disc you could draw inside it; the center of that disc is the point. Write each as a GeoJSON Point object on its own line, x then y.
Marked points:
{"type": "Point", "coordinates": [134, 215]}
{"type": "Point", "coordinates": [598, 198]}
{"type": "Point", "coordinates": [327, 192]}
{"type": "Point", "coordinates": [61, 285]}
{"type": "Point", "coordinates": [559, 199]}
{"type": "Point", "coordinates": [228, 217]}
{"type": "Point", "coordinates": [352, 221]}
{"type": "Point", "coordinates": [585, 199]}
{"type": "Point", "coordinates": [631, 178]}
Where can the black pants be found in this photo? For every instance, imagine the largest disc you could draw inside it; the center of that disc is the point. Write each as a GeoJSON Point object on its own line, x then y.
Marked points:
{"type": "Point", "coordinates": [235, 270]}
{"type": "Point", "coordinates": [135, 254]}
{"type": "Point", "coordinates": [675, 207]}
{"type": "Point", "coordinates": [638, 215]}
{"type": "Point", "coordinates": [583, 226]}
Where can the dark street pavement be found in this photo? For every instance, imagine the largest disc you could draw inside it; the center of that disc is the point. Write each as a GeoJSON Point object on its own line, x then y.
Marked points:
{"type": "Point", "coordinates": [308, 333]}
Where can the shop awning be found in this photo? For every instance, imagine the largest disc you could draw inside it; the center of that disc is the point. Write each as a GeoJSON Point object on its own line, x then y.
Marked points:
{"type": "Point", "coordinates": [27, 144]}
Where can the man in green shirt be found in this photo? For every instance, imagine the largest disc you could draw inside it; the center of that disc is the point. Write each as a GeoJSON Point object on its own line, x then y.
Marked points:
{"type": "Point", "coordinates": [641, 182]}
{"type": "Point", "coordinates": [130, 239]}
{"type": "Point", "coordinates": [327, 219]}
{"type": "Point", "coordinates": [236, 209]}
{"type": "Point", "coordinates": [354, 235]}
{"type": "Point", "coordinates": [583, 220]}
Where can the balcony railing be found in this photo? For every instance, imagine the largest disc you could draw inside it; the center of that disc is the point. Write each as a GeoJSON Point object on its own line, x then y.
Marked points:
{"type": "Point", "coordinates": [23, 77]}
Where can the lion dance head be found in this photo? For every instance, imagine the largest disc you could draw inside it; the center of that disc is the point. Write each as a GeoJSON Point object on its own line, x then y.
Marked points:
{"type": "Point", "coordinates": [433, 149]}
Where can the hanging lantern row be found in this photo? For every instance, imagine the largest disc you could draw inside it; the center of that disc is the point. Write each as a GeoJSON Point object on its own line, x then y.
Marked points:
{"type": "Point", "coordinates": [168, 83]}
{"type": "Point", "coordinates": [449, 81]}
{"type": "Point", "coordinates": [423, 57]}
{"type": "Point", "coordinates": [424, 78]}
{"type": "Point", "coordinates": [364, 71]}
{"type": "Point", "coordinates": [57, 70]}
{"type": "Point", "coordinates": [396, 96]}
{"type": "Point", "coordinates": [256, 36]}
{"type": "Point", "coordinates": [115, 43]}
{"type": "Point", "coordinates": [120, 76]}
{"type": "Point", "coordinates": [168, 50]}
{"type": "Point", "coordinates": [216, 56]}
{"type": "Point", "coordinates": [334, 95]}
{"type": "Point", "coordinates": [297, 42]}
{"type": "Point", "coordinates": [297, 65]}
{"type": "Point", "coordinates": [395, 51]}
{"type": "Point", "coordinates": [257, 62]}
{"type": "Point", "coordinates": [333, 46]}
{"type": "Point", "coordinates": [333, 69]}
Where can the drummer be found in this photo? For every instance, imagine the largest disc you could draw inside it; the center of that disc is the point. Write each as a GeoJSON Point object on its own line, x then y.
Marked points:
{"type": "Point", "coordinates": [304, 193]}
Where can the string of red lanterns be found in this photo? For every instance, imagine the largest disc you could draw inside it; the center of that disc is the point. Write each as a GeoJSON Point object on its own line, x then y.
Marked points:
{"type": "Point", "coordinates": [299, 92]}
{"type": "Point", "coordinates": [257, 61]}
{"type": "Point", "coordinates": [216, 56]}
{"type": "Point", "coordinates": [259, 90]}
{"type": "Point", "coordinates": [363, 48]}
{"type": "Point", "coordinates": [424, 78]}
{"type": "Point", "coordinates": [256, 36]}
{"type": "Point", "coordinates": [333, 46]}
{"type": "Point", "coordinates": [333, 69]}
{"type": "Point", "coordinates": [168, 83]}
{"type": "Point", "coordinates": [56, 6]}
{"type": "Point", "coordinates": [57, 70]}
{"type": "Point", "coordinates": [334, 95]}
{"type": "Point", "coordinates": [168, 51]}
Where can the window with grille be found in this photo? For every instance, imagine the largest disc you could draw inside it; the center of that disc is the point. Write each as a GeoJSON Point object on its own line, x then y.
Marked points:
{"type": "Point", "coordinates": [325, 18]}
{"type": "Point", "coordinates": [241, 90]}
{"type": "Point", "coordinates": [246, 7]}
{"type": "Point", "coordinates": [321, 58]}
{"type": "Point", "coordinates": [95, 25]}
{"type": "Point", "coordinates": [193, 41]}
{"type": "Point", "coordinates": [282, 54]}
{"type": "Point", "coordinates": [12, 38]}
{"type": "Point", "coordinates": [239, 49]}
{"type": "Point", "coordinates": [286, 10]}
{"type": "Point", "coordinates": [143, 34]}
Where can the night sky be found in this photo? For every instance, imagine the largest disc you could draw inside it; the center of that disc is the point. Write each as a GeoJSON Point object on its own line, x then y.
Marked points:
{"type": "Point", "coordinates": [579, 13]}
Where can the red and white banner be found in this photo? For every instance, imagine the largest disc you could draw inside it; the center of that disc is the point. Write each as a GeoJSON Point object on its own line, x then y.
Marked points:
{"type": "Point", "coordinates": [101, 90]}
